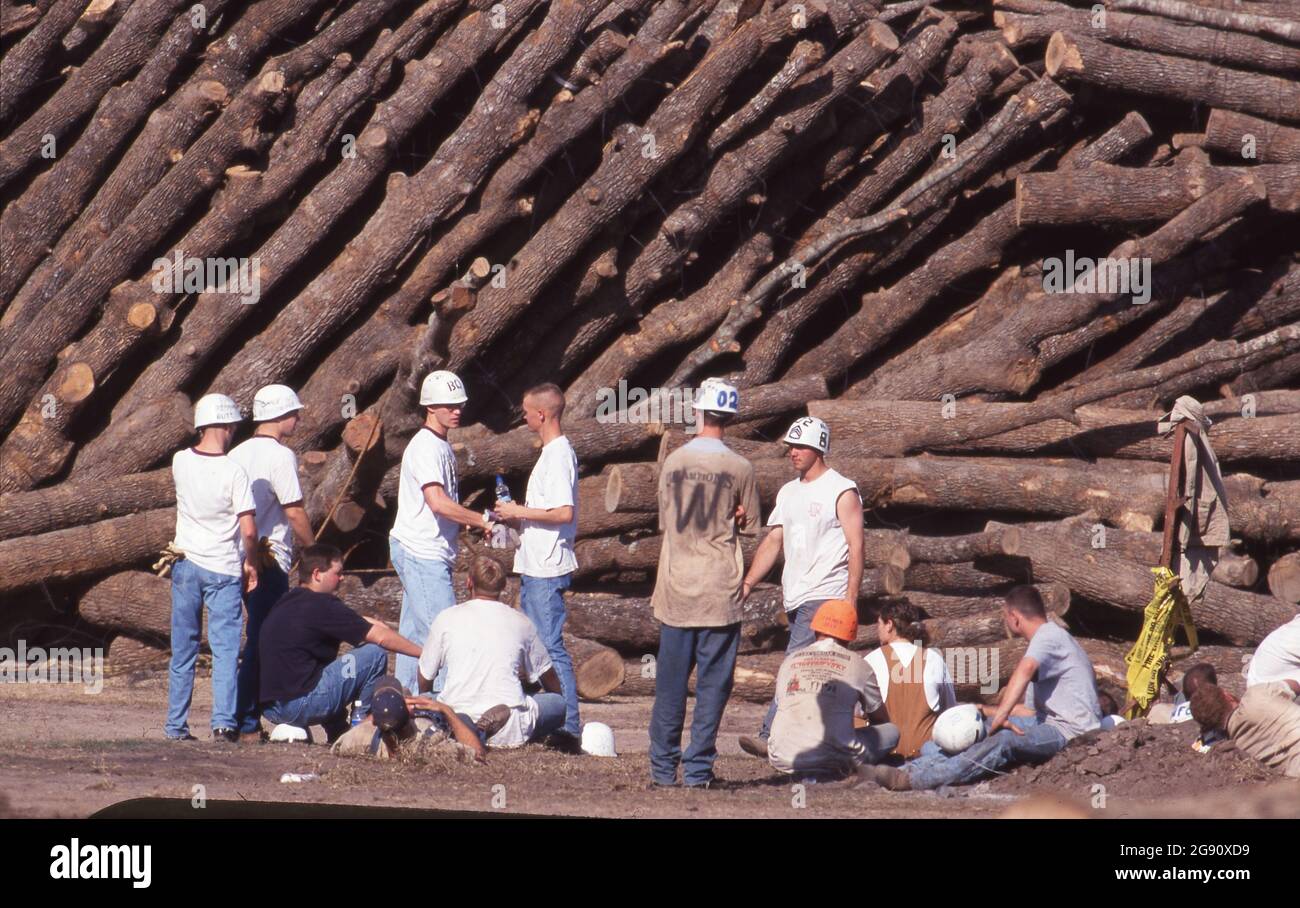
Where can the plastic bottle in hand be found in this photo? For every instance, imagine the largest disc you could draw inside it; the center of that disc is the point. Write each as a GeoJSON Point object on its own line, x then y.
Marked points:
{"type": "Point", "coordinates": [503, 490]}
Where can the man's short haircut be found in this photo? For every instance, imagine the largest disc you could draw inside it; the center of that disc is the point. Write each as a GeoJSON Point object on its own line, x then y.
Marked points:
{"type": "Point", "coordinates": [1210, 708]}
{"type": "Point", "coordinates": [906, 619]}
{"type": "Point", "coordinates": [1026, 601]}
{"type": "Point", "coordinates": [549, 397]}
{"type": "Point", "coordinates": [488, 575]}
{"type": "Point", "coordinates": [1198, 674]}
{"type": "Point", "coordinates": [709, 418]}
{"type": "Point", "coordinates": [317, 557]}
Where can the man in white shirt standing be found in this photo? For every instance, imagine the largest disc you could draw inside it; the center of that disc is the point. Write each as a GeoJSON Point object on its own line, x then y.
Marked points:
{"type": "Point", "coordinates": [817, 526]}
{"type": "Point", "coordinates": [548, 521]}
{"type": "Point", "coordinates": [1278, 656]}
{"type": "Point", "coordinates": [485, 646]}
{"type": "Point", "coordinates": [272, 470]}
{"type": "Point", "coordinates": [422, 543]}
{"type": "Point", "coordinates": [214, 516]}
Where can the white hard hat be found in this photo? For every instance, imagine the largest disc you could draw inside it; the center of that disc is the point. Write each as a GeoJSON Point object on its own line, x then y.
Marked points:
{"type": "Point", "coordinates": [717, 396]}
{"type": "Point", "coordinates": [274, 401]}
{"type": "Point", "coordinates": [290, 734]}
{"type": "Point", "coordinates": [958, 727]}
{"type": "Point", "coordinates": [216, 410]}
{"type": "Point", "coordinates": [810, 432]}
{"type": "Point", "coordinates": [598, 740]}
{"type": "Point", "coordinates": [442, 388]}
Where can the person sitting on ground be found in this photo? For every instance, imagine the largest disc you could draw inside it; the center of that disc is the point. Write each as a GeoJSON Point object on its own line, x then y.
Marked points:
{"type": "Point", "coordinates": [913, 680]}
{"type": "Point", "coordinates": [1056, 674]}
{"type": "Point", "coordinates": [401, 724]}
{"type": "Point", "coordinates": [1277, 658]}
{"type": "Point", "coordinates": [485, 646]}
{"type": "Point", "coordinates": [817, 690]}
{"type": "Point", "coordinates": [303, 679]}
{"type": "Point", "coordinates": [1264, 723]}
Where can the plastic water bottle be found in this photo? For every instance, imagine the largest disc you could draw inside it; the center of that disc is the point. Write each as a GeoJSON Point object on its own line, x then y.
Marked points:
{"type": "Point", "coordinates": [356, 717]}
{"type": "Point", "coordinates": [503, 490]}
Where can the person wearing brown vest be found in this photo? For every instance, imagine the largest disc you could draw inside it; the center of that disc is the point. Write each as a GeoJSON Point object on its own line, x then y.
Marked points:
{"type": "Point", "coordinates": [915, 681]}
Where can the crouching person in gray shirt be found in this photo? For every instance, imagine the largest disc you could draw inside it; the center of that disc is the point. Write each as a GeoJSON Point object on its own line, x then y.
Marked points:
{"type": "Point", "coordinates": [1050, 699]}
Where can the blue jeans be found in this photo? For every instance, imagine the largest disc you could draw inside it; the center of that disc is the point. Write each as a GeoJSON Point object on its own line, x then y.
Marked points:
{"type": "Point", "coordinates": [192, 588]}
{"type": "Point", "coordinates": [542, 600]}
{"type": "Point", "coordinates": [801, 634]}
{"type": "Point", "coordinates": [933, 768]}
{"type": "Point", "coordinates": [426, 591]}
{"type": "Point", "coordinates": [349, 678]}
{"type": "Point", "coordinates": [272, 583]}
{"type": "Point", "coordinates": [711, 651]}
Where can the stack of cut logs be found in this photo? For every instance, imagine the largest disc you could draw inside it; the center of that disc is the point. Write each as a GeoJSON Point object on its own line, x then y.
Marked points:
{"type": "Point", "coordinates": [853, 210]}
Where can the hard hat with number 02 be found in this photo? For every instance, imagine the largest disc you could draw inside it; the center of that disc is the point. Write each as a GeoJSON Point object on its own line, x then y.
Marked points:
{"type": "Point", "coordinates": [810, 432]}
{"type": "Point", "coordinates": [216, 410]}
{"type": "Point", "coordinates": [442, 389]}
{"type": "Point", "coordinates": [274, 401]}
{"type": "Point", "coordinates": [717, 396]}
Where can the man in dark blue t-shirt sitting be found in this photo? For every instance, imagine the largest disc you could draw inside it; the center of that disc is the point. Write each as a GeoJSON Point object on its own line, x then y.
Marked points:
{"type": "Point", "coordinates": [304, 680]}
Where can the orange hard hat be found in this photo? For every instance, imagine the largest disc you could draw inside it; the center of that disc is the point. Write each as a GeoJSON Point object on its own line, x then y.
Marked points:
{"type": "Point", "coordinates": [837, 618]}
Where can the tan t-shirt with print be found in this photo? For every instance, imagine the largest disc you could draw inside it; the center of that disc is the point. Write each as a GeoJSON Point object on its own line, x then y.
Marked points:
{"type": "Point", "coordinates": [700, 564]}
{"type": "Point", "coordinates": [1267, 726]}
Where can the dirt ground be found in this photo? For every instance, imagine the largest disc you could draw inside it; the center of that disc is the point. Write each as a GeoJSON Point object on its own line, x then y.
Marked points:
{"type": "Point", "coordinates": [66, 753]}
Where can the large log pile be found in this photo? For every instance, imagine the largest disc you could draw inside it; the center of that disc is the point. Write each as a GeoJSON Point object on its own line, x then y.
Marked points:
{"type": "Point", "coordinates": [853, 210]}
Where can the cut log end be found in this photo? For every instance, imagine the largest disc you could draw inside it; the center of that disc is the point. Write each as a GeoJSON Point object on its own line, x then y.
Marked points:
{"type": "Point", "coordinates": [1063, 55]}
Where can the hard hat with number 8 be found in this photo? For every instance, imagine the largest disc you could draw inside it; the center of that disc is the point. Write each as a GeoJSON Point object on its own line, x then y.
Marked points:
{"type": "Point", "coordinates": [837, 618]}
{"type": "Point", "coordinates": [442, 389]}
{"type": "Point", "coordinates": [274, 401]}
{"type": "Point", "coordinates": [810, 432]}
{"type": "Point", "coordinates": [216, 410]}
{"type": "Point", "coordinates": [717, 396]}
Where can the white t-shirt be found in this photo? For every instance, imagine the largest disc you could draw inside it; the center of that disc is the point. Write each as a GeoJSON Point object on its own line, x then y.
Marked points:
{"type": "Point", "coordinates": [939, 692]}
{"type": "Point", "coordinates": [1278, 656]}
{"type": "Point", "coordinates": [816, 552]}
{"type": "Point", "coordinates": [272, 470]}
{"type": "Point", "coordinates": [427, 460]}
{"type": "Point", "coordinates": [212, 491]}
{"type": "Point", "coordinates": [546, 549]}
{"type": "Point", "coordinates": [484, 645]}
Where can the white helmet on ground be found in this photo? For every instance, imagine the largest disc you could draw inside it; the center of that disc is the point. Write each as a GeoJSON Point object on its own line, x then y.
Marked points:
{"type": "Point", "coordinates": [216, 410]}
{"type": "Point", "coordinates": [717, 396]}
{"type": "Point", "coordinates": [958, 727]}
{"type": "Point", "coordinates": [598, 740]}
{"type": "Point", "coordinates": [274, 401]}
{"type": "Point", "coordinates": [442, 388]}
{"type": "Point", "coordinates": [810, 432]}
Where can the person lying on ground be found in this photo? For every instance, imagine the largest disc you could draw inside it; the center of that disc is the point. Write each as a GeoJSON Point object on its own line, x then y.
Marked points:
{"type": "Point", "coordinates": [303, 679]}
{"type": "Point", "coordinates": [913, 680]}
{"type": "Point", "coordinates": [484, 646]}
{"type": "Point", "coordinates": [398, 723]}
{"type": "Point", "coordinates": [1181, 709]}
{"type": "Point", "coordinates": [1054, 678]}
{"type": "Point", "coordinates": [1264, 723]}
{"type": "Point", "coordinates": [817, 690]}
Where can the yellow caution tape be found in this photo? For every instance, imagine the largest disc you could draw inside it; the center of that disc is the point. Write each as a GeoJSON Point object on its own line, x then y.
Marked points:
{"type": "Point", "coordinates": [1146, 660]}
